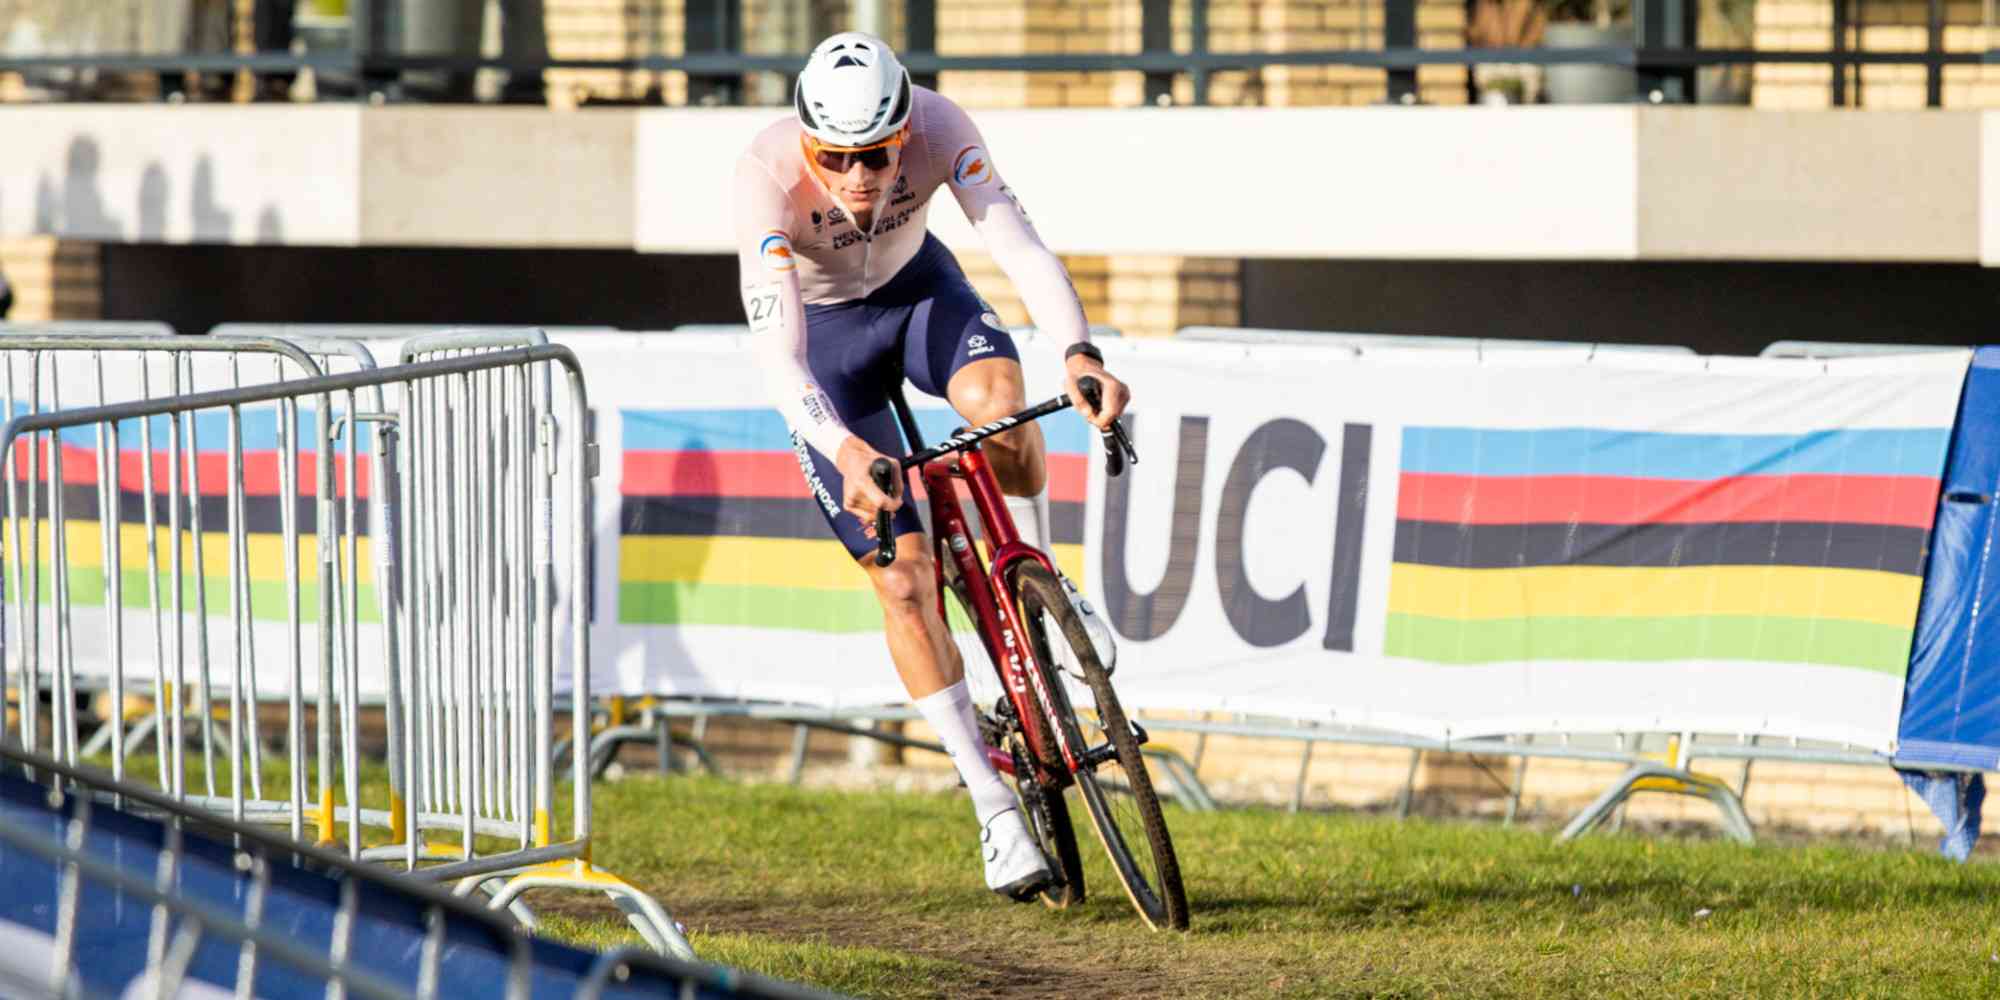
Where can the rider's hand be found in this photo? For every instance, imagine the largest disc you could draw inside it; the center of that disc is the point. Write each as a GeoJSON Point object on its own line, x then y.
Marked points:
{"type": "Point", "coordinates": [858, 491]}
{"type": "Point", "coordinates": [1115, 393]}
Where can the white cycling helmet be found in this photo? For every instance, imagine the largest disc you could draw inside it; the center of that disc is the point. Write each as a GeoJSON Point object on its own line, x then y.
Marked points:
{"type": "Point", "coordinates": [853, 91]}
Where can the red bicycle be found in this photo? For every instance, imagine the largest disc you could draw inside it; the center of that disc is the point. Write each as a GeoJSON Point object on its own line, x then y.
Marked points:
{"type": "Point", "coordinates": [1035, 734]}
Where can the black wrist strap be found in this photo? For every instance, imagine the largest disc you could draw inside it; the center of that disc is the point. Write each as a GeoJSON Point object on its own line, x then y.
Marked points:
{"type": "Point", "coordinates": [1085, 348]}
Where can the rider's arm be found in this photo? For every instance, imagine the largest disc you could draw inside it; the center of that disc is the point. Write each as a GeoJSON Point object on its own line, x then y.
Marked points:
{"type": "Point", "coordinates": [776, 310]}
{"type": "Point", "coordinates": [996, 213]}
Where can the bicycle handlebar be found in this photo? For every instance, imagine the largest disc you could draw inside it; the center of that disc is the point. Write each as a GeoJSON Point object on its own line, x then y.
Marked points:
{"type": "Point", "coordinates": [1118, 453]}
{"type": "Point", "coordinates": [884, 474]}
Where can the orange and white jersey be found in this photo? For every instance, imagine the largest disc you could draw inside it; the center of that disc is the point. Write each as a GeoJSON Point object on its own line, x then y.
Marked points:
{"type": "Point", "coordinates": [797, 244]}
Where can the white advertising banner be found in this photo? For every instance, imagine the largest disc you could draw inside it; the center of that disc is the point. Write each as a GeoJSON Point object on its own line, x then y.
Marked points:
{"type": "Point", "coordinates": [1445, 543]}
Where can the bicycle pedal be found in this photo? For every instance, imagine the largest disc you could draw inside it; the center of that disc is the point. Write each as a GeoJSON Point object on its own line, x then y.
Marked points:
{"type": "Point", "coordinates": [1029, 890]}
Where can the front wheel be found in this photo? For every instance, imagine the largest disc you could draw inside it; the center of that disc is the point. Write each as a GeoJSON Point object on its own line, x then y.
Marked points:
{"type": "Point", "coordinates": [1117, 789]}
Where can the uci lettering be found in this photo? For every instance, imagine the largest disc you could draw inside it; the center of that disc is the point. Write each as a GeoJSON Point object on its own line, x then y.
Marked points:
{"type": "Point", "coordinates": [1283, 443]}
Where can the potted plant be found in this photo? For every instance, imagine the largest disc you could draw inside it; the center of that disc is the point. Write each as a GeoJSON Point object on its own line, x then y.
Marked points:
{"type": "Point", "coordinates": [1501, 24]}
{"type": "Point", "coordinates": [1585, 24]}
{"type": "Point", "coordinates": [1505, 24]}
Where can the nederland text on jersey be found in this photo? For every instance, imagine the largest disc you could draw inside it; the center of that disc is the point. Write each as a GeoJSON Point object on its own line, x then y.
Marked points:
{"type": "Point", "coordinates": [263, 512]}
{"type": "Point", "coordinates": [717, 526]}
{"type": "Point", "coordinates": [1584, 544]}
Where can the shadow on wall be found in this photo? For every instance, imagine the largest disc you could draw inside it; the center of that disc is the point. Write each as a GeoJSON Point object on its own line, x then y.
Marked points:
{"type": "Point", "coordinates": [76, 207]}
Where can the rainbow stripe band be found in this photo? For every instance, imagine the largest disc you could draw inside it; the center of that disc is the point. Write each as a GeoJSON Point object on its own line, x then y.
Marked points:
{"type": "Point", "coordinates": [1761, 543]}
{"type": "Point", "coordinates": [717, 528]}
{"type": "Point", "coordinates": [1903, 500]}
{"type": "Point", "coordinates": [1587, 544]}
{"type": "Point", "coordinates": [1584, 451]}
{"type": "Point", "coordinates": [1640, 592]}
{"type": "Point", "coordinates": [1881, 648]}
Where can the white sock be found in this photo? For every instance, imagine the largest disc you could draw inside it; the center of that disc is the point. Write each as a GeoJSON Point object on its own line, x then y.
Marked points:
{"type": "Point", "coordinates": [950, 713]}
{"type": "Point", "coordinates": [1031, 518]}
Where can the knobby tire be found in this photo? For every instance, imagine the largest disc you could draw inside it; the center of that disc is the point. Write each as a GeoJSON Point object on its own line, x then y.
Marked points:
{"type": "Point", "coordinates": [1152, 875]}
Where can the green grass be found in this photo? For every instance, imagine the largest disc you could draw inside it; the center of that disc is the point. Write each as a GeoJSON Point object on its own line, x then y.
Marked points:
{"type": "Point", "coordinates": [848, 890]}
{"type": "Point", "coordinates": [878, 894]}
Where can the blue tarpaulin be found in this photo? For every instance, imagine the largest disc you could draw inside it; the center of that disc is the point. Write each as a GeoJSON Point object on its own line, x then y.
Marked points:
{"type": "Point", "coordinates": [1951, 703]}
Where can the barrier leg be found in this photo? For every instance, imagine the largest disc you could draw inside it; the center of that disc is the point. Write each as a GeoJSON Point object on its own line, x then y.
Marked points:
{"type": "Point", "coordinates": [1299, 783]}
{"type": "Point", "coordinates": [1408, 796]}
{"type": "Point", "coordinates": [1650, 777]}
{"type": "Point", "coordinates": [1188, 789]}
{"type": "Point", "coordinates": [800, 734]}
{"type": "Point", "coordinates": [494, 885]}
{"type": "Point", "coordinates": [1514, 794]}
{"type": "Point", "coordinates": [645, 914]}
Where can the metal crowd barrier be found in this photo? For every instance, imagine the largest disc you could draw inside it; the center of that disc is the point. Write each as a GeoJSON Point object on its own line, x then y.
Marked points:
{"type": "Point", "coordinates": [1655, 762]}
{"type": "Point", "coordinates": [489, 496]}
{"type": "Point", "coordinates": [98, 846]}
{"type": "Point", "coordinates": [36, 359]}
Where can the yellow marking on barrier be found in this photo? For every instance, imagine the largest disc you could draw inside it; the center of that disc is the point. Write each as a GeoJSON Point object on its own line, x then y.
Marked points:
{"type": "Point", "coordinates": [541, 828]}
{"type": "Point", "coordinates": [807, 563]}
{"type": "Point", "coordinates": [617, 709]}
{"type": "Point", "coordinates": [574, 870]}
{"type": "Point", "coordinates": [1859, 595]}
{"type": "Point", "coordinates": [326, 818]}
{"type": "Point", "coordinates": [398, 818]}
{"type": "Point", "coordinates": [429, 848]}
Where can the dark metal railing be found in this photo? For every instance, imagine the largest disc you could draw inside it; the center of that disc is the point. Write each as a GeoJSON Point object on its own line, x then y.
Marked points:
{"type": "Point", "coordinates": [1663, 55]}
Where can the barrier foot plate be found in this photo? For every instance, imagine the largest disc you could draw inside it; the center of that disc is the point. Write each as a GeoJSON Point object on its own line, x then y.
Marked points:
{"type": "Point", "coordinates": [661, 932]}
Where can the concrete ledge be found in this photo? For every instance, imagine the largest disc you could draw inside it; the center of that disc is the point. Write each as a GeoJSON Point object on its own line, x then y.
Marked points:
{"type": "Point", "coordinates": [164, 174]}
{"type": "Point", "coordinates": [1739, 184]}
{"type": "Point", "coordinates": [501, 177]}
{"type": "Point", "coordinates": [1588, 183]}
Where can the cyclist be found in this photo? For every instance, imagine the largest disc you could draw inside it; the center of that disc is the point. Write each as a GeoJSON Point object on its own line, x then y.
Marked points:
{"type": "Point", "coordinates": [847, 293]}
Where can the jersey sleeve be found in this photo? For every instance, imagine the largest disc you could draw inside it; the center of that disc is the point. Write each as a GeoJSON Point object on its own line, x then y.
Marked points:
{"type": "Point", "coordinates": [960, 156]}
{"type": "Point", "coordinates": [776, 309]}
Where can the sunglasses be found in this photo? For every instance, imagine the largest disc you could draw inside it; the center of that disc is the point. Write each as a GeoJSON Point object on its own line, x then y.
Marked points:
{"type": "Point", "coordinates": [839, 160]}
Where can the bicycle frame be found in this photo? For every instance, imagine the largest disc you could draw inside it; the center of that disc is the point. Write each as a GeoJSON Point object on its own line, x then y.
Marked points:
{"type": "Point", "coordinates": [994, 616]}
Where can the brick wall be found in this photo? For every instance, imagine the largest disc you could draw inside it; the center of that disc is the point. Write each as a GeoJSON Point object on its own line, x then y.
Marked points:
{"type": "Point", "coordinates": [615, 29]}
{"type": "Point", "coordinates": [52, 278]}
{"type": "Point", "coordinates": [1874, 27]}
{"type": "Point", "coordinates": [1143, 296]}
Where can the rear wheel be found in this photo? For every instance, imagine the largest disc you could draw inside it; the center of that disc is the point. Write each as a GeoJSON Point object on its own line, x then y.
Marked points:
{"type": "Point", "coordinates": [1048, 817]}
{"type": "Point", "coordinates": [1116, 787]}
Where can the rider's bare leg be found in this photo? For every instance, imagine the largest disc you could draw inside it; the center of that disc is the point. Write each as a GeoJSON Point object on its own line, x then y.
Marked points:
{"type": "Point", "coordinates": [985, 391]}
{"type": "Point", "coordinates": [931, 668]}
{"type": "Point", "coordinates": [925, 657]}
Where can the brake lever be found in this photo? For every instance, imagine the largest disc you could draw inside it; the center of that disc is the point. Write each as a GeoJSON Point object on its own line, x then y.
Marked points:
{"type": "Point", "coordinates": [1118, 450]}
{"type": "Point", "coordinates": [883, 472]}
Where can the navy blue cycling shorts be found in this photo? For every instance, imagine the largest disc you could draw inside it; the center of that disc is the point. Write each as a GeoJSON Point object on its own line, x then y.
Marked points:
{"type": "Point", "coordinates": [926, 324]}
